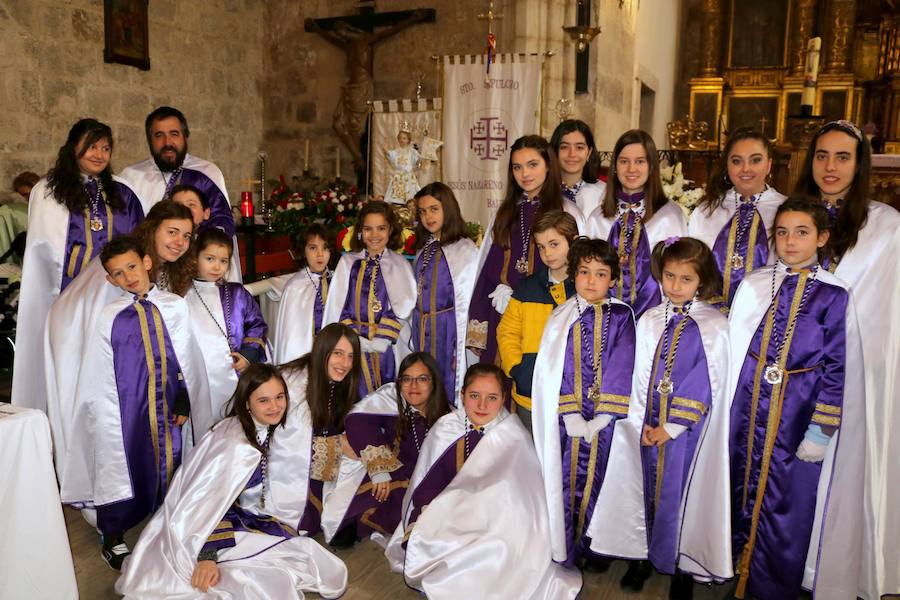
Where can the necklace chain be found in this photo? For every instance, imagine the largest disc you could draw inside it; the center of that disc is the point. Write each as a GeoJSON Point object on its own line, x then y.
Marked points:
{"type": "Point", "coordinates": [265, 467]}
{"type": "Point", "coordinates": [226, 312]}
{"type": "Point", "coordinates": [374, 302]}
{"type": "Point", "coordinates": [318, 288]}
{"type": "Point", "coordinates": [665, 385]}
{"type": "Point", "coordinates": [522, 262]}
{"type": "Point", "coordinates": [630, 225]}
{"type": "Point", "coordinates": [95, 222]}
{"type": "Point", "coordinates": [432, 244]}
{"type": "Point", "coordinates": [597, 357]}
{"type": "Point", "coordinates": [774, 372]}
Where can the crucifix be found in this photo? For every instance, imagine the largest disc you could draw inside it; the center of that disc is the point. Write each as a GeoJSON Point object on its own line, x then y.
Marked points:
{"type": "Point", "coordinates": [356, 35]}
{"type": "Point", "coordinates": [762, 124]}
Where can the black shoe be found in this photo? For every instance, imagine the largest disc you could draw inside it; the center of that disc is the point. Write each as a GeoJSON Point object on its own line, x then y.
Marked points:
{"type": "Point", "coordinates": [638, 572]}
{"type": "Point", "coordinates": [681, 587]}
{"type": "Point", "coordinates": [594, 565]}
{"type": "Point", "coordinates": [345, 538]}
{"type": "Point", "coordinates": [114, 553]}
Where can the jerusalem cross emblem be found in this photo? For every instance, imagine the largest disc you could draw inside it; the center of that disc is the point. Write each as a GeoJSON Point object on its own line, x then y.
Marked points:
{"type": "Point", "coordinates": [488, 138]}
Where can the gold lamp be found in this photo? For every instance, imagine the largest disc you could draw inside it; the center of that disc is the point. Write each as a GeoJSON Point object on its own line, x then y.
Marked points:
{"type": "Point", "coordinates": [582, 35]}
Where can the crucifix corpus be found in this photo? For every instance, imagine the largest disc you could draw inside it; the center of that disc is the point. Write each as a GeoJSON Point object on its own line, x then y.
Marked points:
{"type": "Point", "coordinates": [356, 35]}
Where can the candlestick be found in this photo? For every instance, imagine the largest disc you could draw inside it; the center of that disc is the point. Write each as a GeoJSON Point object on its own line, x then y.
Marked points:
{"type": "Point", "coordinates": [306, 156]}
{"type": "Point", "coordinates": [810, 75]}
{"type": "Point", "coordinates": [337, 164]}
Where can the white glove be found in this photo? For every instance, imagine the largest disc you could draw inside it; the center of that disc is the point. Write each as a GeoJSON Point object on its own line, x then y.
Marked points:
{"type": "Point", "coordinates": [810, 451]}
{"type": "Point", "coordinates": [576, 426]}
{"type": "Point", "coordinates": [500, 297]}
{"type": "Point", "coordinates": [378, 345]}
{"type": "Point", "coordinates": [598, 424]}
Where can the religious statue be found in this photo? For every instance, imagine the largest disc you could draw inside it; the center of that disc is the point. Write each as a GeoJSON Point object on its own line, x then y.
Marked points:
{"type": "Point", "coordinates": [404, 160]}
{"type": "Point", "coordinates": [352, 110]}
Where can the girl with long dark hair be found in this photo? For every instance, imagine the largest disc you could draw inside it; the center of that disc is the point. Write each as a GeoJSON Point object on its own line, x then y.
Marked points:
{"type": "Point", "coordinates": [579, 164]}
{"type": "Point", "coordinates": [230, 523]}
{"type": "Point", "coordinates": [386, 430]}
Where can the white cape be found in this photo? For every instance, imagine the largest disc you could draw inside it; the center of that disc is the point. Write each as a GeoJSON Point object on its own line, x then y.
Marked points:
{"type": "Point", "coordinates": [486, 534]}
{"type": "Point", "coordinates": [872, 270]}
{"type": "Point", "coordinates": [705, 522]}
{"type": "Point", "coordinates": [382, 401]}
{"type": "Point", "coordinates": [294, 323]}
{"type": "Point", "coordinates": [588, 207]}
{"type": "Point", "coordinates": [42, 270]}
{"type": "Point", "coordinates": [97, 468]}
{"type": "Point", "coordinates": [835, 551]}
{"type": "Point", "coordinates": [706, 227]}
{"type": "Point", "coordinates": [462, 259]}
{"type": "Point", "coordinates": [260, 565]}
{"type": "Point", "coordinates": [627, 536]}
{"type": "Point", "coordinates": [147, 181]}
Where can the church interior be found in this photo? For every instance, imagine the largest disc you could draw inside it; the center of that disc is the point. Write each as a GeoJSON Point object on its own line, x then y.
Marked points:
{"type": "Point", "coordinates": [294, 101]}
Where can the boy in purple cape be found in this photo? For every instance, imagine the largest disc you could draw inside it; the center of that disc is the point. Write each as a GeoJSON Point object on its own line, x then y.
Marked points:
{"type": "Point", "coordinates": [143, 358]}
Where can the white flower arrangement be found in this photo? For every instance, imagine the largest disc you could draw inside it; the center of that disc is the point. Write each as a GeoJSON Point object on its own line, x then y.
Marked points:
{"type": "Point", "coordinates": [674, 185]}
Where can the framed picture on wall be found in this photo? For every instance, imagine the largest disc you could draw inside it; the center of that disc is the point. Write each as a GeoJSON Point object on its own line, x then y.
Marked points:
{"type": "Point", "coordinates": [125, 25]}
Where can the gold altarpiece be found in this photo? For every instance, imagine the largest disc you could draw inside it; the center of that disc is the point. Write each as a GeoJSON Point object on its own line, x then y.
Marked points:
{"type": "Point", "coordinates": [752, 59]}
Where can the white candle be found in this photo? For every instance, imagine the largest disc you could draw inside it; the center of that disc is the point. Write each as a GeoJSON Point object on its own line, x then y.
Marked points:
{"type": "Point", "coordinates": [306, 156]}
{"type": "Point", "coordinates": [811, 71]}
{"type": "Point", "coordinates": [337, 163]}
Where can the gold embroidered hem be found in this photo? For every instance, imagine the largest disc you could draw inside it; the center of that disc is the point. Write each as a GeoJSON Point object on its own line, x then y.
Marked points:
{"type": "Point", "coordinates": [379, 459]}
{"type": "Point", "coordinates": [476, 335]}
{"type": "Point", "coordinates": [326, 457]}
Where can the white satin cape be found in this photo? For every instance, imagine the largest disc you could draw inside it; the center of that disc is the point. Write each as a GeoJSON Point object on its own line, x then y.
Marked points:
{"type": "Point", "coordinates": [835, 551]}
{"type": "Point", "coordinates": [295, 319]}
{"type": "Point", "coordinates": [462, 258]}
{"type": "Point", "coordinates": [630, 539]}
{"type": "Point", "coordinates": [704, 548]}
{"type": "Point", "coordinates": [589, 196]}
{"type": "Point", "coordinates": [706, 227]}
{"type": "Point", "coordinates": [401, 289]}
{"type": "Point", "coordinates": [97, 468]}
{"type": "Point", "coordinates": [219, 369]}
{"type": "Point", "coordinates": [485, 535]}
{"type": "Point", "coordinates": [668, 221]}
{"type": "Point", "coordinates": [382, 401]}
{"type": "Point", "coordinates": [260, 565]}
{"type": "Point", "coordinates": [147, 180]}
{"type": "Point", "coordinates": [872, 270]}
{"type": "Point", "coordinates": [42, 269]}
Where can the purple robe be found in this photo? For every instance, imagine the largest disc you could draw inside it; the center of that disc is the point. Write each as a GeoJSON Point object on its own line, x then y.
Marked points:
{"type": "Point", "coordinates": [584, 461]}
{"type": "Point", "coordinates": [311, 522]}
{"type": "Point", "coordinates": [82, 244]}
{"type": "Point", "coordinates": [773, 491]}
{"type": "Point", "coordinates": [749, 224]}
{"type": "Point", "coordinates": [434, 317]}
{"type": "Point", "coordinates": [220, 215]}
{"type": "Point", "coordinates": [666, 469]}
{"type": "Point", "coordinates": [441, 474]}
{"type": "Point", "coordinates": [500, 267]}
{"type": "Point", "coordinates": [378, 368]}
{"type": "Point", "coordinates": [366, 430]}
{"type": "Point", "coordinates": [237, 518]}
{"type": "Point", "coordinates": [635, 285]}
{"type": "Point", "coordinates": [246, 326]}
{"type": "Point", "coordinates": [148, 381]}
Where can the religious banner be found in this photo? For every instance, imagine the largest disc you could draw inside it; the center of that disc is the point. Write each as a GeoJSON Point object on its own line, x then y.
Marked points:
{"type": "Point", "coordinates": [484, 113]}
{"type": "Point", "coordinates": [423, 119]}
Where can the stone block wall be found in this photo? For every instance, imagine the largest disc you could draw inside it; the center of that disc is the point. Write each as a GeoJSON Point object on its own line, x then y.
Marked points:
{"type": "Point", "coordinates": [205, 59]}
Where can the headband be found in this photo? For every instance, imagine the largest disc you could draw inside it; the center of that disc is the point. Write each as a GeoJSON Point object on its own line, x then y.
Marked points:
{"type": "Point", "coordinates": [845, 126]}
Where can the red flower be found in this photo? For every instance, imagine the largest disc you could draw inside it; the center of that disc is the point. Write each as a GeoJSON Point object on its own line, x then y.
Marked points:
{"type": "Point", "coordinates": [410, 244]}
{"type": "Point", "coordinates": [340, 219]}
{"type": "Point", "coordinates": [341, 235]}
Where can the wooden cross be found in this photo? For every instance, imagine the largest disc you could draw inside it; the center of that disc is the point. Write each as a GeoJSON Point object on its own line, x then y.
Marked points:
{"type": "Point", "coordinates": [762, 124]}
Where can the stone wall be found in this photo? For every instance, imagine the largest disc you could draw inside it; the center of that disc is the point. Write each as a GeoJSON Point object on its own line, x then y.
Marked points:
{"type": "Point", "coordinates": [304, 72]}
{"type": "Point", "coordinates": [205, 58]}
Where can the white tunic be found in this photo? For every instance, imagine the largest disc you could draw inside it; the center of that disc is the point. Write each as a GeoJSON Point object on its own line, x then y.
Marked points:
{"type": "Point", "coordinates": [588, 207]}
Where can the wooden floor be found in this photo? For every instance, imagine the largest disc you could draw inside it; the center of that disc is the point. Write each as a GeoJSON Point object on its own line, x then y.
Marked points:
{"type": "Point", "coordinates": [370, 578]}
